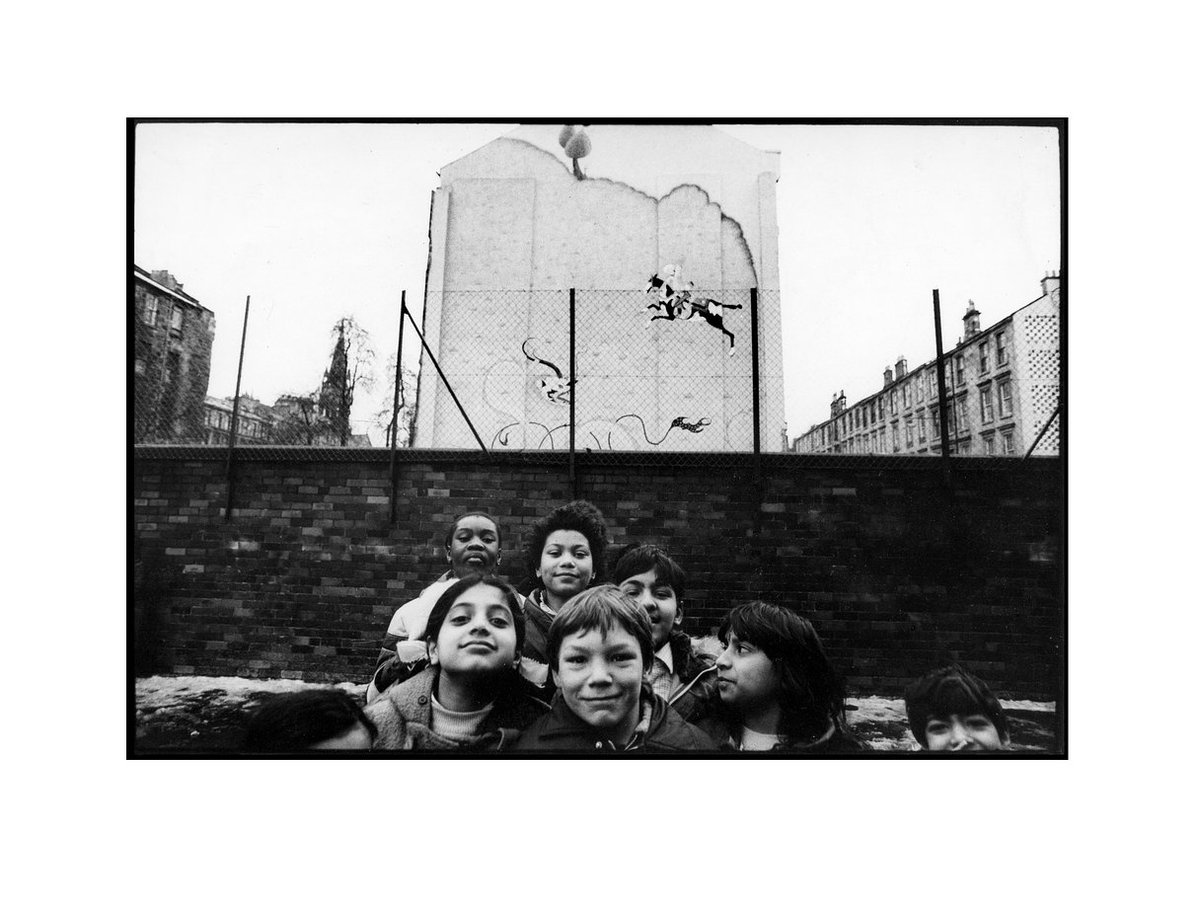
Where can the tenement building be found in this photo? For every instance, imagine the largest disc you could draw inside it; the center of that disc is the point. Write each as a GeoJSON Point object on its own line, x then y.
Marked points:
{"type": "Point", "coordinates": [1001, 389]}
{"type": "Point", "coordinates": [172, 351]}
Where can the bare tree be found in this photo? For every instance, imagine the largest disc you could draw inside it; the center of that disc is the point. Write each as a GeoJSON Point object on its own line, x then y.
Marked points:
{"type": "Point", "coordinates": [408, 391]}
{"type": "Point", "coordinates": [350, 370]}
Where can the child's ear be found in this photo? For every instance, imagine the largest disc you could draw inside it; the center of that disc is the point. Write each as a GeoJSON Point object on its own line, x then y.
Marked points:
{"type": "Point", "coordinates": [431, 652]}
{"type": "Point", "coordinates": [554, 677]}
{"type": "Point", "coordinates": [678, 614]}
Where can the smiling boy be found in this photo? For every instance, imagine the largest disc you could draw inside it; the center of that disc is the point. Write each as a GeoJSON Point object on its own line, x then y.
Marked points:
{"type": "Point", "coordinates": [687, 680]}
{"type": "Point", "coordinates": [599, 645]}
{"type": "Point", "coordinates": [950, 710]}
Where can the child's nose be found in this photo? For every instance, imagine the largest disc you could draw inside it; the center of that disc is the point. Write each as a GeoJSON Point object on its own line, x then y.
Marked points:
{"type": "Point", "coordinates": [600, 675]}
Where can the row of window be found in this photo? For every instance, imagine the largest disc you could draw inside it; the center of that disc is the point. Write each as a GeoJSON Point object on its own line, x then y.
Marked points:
{"type": "Point", "coordinates": [150, 314]}
{"type": "Point", "coordinates": [993, 395]}
{"type": "Point", "coordinates": [252, 428]}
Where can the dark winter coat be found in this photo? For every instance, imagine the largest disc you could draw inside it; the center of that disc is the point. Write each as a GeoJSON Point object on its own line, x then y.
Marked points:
{"type": "Point", "coordinates": [836, 739]}
{"type": "Point", "coordinates": [660, 730]}
{"type": "Point", "coordinates": [698, 676]}
{"type": "Point", "coordinates": [404, 717]}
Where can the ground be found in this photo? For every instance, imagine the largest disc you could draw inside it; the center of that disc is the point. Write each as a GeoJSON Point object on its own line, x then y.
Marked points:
{"type": "Point", "coordinates": [195, 714]}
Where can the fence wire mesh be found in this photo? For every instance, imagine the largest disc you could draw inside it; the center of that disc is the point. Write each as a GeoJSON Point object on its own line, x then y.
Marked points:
{"type": "Point", "coordinates": [618, 372]}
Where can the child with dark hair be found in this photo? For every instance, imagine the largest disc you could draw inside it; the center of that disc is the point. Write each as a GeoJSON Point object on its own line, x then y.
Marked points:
{"type": "Point", "coordinates": [951, 710]}
{"type": "Point", "coordinates": [472, 696]}
{"type": "Point", "coordinates": [322, 719]}
{"type": "Point", "coordinates": [564, 552]}
{"type": "Point", "coordinates": [777, 688]}
{"type": "Point", "coordinates": [599, 645]}
{"type": "Point", "coordinates": [472, 547]}
{"type": "Point", "coordinates": [687, 680]}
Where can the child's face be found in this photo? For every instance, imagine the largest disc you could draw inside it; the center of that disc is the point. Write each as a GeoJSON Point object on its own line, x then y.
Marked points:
{"type": "Point", "coordinates": [566, 567]}
{"type": "Point", "coordinates": [746, 677]}
{"type": "Point", "coordinates": [657, 597]}
{"type": "Point", "coordinates": [475, 546]}
{"type": "Point", "coordinates": [601, 677]}
{"type": "Point", "coordinates": [956, 733]}
{"type": "Point", "coordinates": [478, 635]}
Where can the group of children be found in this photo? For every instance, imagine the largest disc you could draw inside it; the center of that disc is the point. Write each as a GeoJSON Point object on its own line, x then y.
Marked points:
{"type": "Point", "coordinates": [470, 665]}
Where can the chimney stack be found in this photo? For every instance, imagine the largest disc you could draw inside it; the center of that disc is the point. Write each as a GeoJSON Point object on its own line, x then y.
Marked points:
{"type": "Point", "coordinates": [1050, 282]}
{"type": "Point", "coordinates": [887, 376]}
{"type": "Point", "coordinates": [901, 367]}
{"type": "Point", "coordinates": [970, 321]}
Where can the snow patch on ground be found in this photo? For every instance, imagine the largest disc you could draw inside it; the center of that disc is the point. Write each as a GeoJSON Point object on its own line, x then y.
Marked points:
{"type": "Point", "coordinates": [163, 691]}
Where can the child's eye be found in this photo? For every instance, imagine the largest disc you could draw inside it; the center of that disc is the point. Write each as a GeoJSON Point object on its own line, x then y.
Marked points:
{"type": "Point", "coordinates": [623, 657]}
{"type": "Point", "coordinates": [978, 723]}
{"type": "Point", "coordinates": [459, 619]}
{"type": "Point", "coordinates": [574, 660]}
{"type": "Point", "coordinates": [500, 622]}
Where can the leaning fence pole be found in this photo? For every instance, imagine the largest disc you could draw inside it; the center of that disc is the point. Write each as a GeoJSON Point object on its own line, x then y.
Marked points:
{"type": "Point", "coordinates": [231, 465]}
{"type": "Point", "coordinates": [571, 386]}
{"type": "Point", "coordinates": [941, 376]}
{"type": "Point", "coordinates": [754, 380]}
{"type": "Point", "coordinates": [396, 406]}
{"type": "Point", "coordinates": [445, 381]}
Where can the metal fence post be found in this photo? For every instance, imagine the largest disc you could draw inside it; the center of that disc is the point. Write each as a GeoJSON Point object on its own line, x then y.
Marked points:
{"type": "Point", "coordinates": [396, 408]}
{"type": "Point", "coordinates": [941, 374]}
{"type": "Point", "coordinates": [574, 479]}
{"type": "Point", "coordinates": [231, 466]}
{"type": "Point", "coordinates": [754, 378]}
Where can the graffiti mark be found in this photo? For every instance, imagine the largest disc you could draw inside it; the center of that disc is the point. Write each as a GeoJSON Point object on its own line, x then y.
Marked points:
{"type": "Point", "coordinates": [677, 423]}
{"type": "Point", "coordinates": [682, 302]}
{"type": "Point", "coordinates": [556, 390]}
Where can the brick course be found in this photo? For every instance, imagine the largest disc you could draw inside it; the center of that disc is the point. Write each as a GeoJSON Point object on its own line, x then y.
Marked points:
{"type": "Point", "coordinates": [897, 575]}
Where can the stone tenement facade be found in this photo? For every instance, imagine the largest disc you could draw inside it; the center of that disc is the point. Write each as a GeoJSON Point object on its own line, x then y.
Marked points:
{"type": "Point", "coordinates": [1001, 387]}
{"type": "Point", "coordinates": [898, 573]}
{"type": "Point", "coordinates": [512, 230]}
{"type": "Point", "coordinates": [172, 353]}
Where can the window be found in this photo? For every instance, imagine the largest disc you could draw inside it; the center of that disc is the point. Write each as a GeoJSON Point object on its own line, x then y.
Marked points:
{"type": "Point", "coordinates": [935, 424]}
{"type": "Point", "coordinates": [964, 446]}
{"type": "Point", "coordinates": [895, 436]}
{"type": "Point", "coordinates": [989, 444]}
{"type": "Point", "coordinates": [1006, 439]}
{"type": "Point", "coordinates": [933, 384]}
{"type": "Point", "coordinates": [961, 425]}
{"type": "Point", "coordinates": [892, 402]}
{"type": "Point", "coordinates": [920, 388]}
{"type": "Point", "coordinates": [960, 370]}
{"type": "Point", "coordinates": [176, 318]}
{"type": "Point", "coordinates": [1004, 392]}
{"type": "Point", "coordinates": [150, 312]}
{"type": "Point", "coordinates": [906, 391]}
{"type": "Point", "coordinates": [986, 413]}
{"type": "Point", "coordinates": [908, 433]}
{"type": "Point", "coordinates": [983, 357]}
{"type": "Point", "coordinates": [920, 427]}
{"type": "Point", "coordinates": [1001, 349]}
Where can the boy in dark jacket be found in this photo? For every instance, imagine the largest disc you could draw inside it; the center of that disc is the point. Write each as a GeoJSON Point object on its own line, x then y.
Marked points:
{"type": "Point", "coordinates": [599, 646]}
{"type": "Point", "coordinates": [686, 679]}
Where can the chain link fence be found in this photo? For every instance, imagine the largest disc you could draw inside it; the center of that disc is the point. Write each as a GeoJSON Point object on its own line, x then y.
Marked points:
{"type": "Point", "coordinates": [597, 371]}
{"type": "Point", "coordinates": [620, 372]}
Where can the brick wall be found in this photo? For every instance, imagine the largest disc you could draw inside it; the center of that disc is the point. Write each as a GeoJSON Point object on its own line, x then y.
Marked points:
{"type": "Point", "coordinates": [897, 573]}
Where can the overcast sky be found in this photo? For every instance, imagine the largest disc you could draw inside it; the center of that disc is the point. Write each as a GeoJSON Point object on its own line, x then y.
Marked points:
{"type": "Point", "coordinates": [316, 221]}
